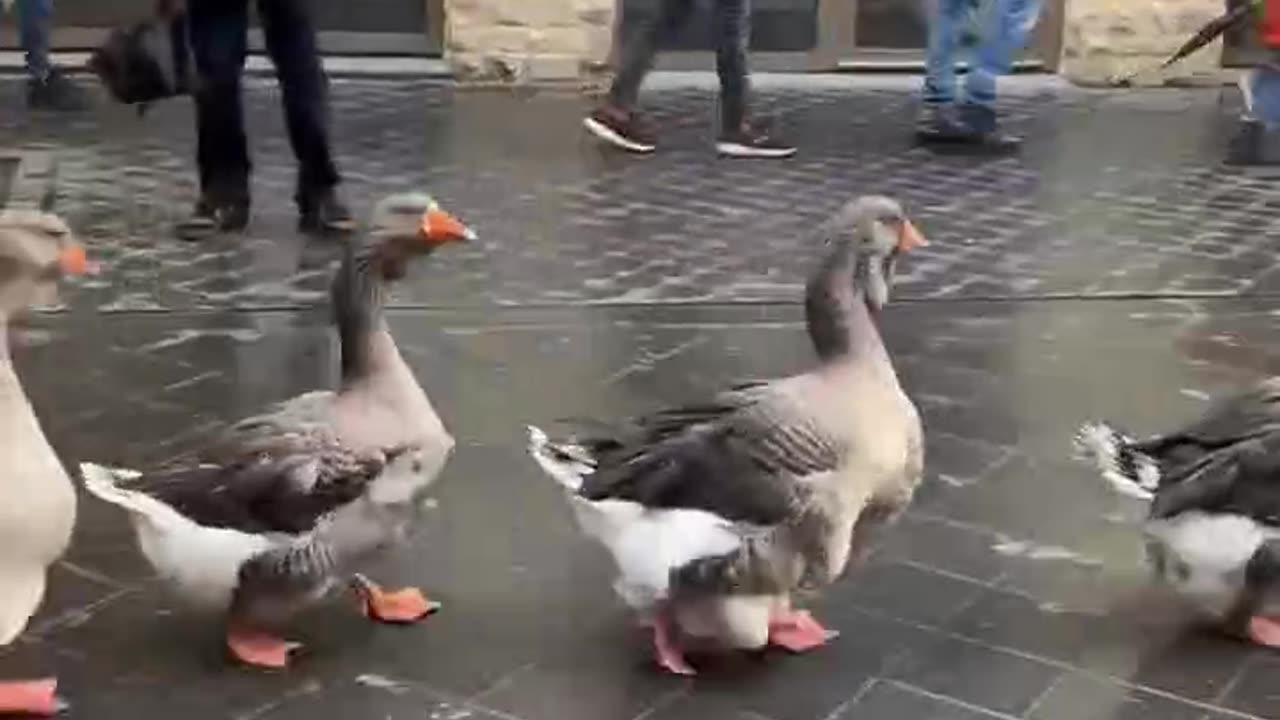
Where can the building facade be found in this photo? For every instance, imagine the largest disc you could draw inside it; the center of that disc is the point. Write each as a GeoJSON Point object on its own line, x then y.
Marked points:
{"type": "Point", "coordinates": [566, 40]}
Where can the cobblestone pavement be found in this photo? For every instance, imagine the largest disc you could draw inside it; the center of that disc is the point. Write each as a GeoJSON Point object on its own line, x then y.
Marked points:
{"type": "Point", "coordinates": [1113, 269]}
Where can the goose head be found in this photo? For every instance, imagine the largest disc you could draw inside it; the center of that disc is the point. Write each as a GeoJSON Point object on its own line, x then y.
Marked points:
{"type": "Point", "coordinates": [875, 230]}
{"type": "Point", "coordinates": [406, 226]}
{"type": "Point", "coordinates": [36, 250]}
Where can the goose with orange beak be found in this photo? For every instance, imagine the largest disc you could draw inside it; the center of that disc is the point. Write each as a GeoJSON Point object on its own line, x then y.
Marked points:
{"type": "Point", "coordinates": [717, 513]}
{"type": "Point", "coordinates": [36, 251]}
{"type": "Point", "coordinates": [285, 506]}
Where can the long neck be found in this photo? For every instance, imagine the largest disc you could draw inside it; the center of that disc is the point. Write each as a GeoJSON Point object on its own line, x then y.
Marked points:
{"type": "Point", "coordinates": [837, 312]}
{"type": "Point", "coordinates": [358, 294]}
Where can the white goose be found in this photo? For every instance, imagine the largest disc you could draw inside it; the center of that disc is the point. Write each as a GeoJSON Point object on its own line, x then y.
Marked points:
{"type": "Point", "coordinates": [35, 525]}
{"type": "Point", "coordinates": [715, 513]}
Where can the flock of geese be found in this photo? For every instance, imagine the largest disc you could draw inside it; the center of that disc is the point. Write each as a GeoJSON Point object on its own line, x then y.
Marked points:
{"type": "Point", "coordinates": [715, 513]}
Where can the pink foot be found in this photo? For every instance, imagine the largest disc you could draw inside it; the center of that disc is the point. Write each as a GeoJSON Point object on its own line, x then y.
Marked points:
{"type": "Point", "coordinates": [668, 653]}
{"type": "Point", "coordinates": [29, 697]}
{"type": "Point", "coordinates": [1265, 631]}
{"type": "Point", "coordinates": [798, 632]}
{"type": "Point", "coordinates": [260, 649]}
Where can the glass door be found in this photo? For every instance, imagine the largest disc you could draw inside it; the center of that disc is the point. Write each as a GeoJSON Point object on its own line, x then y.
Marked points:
{"type": "Point", "coordinates": [893, 34]}
{"type": "Point", "coordinates": [826, 35]}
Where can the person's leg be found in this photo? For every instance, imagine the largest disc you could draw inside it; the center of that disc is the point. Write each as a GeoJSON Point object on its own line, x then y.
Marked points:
{"type": "Point", "coordinates": [218, 43]}
{"type": "Point", "coordinates": [1009, 24]}
{"type": "Point", "coordinates": [35, 19]}
{"type": "Point", "coordinates": [945, 19]}
{"type": "Point", "coordinates": [616, 121]}
{"type": "Point", "coordinates": [46, 87]}
{"type": "Point", "coordinates": [733, 40]}
{"type": "Point", "coordinates": [291, 42]}
{"type": "Point", "coordinates": [937, 119]}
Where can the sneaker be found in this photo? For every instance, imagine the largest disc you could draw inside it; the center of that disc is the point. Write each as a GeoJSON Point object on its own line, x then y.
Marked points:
{"type": "Point", "coordinates": [213, 216]}
{"type": "Point", "coordinates": [627, 131]}
{"type": "Point", "coordinates": [968, 125]}
{"type": "Point", "coordinates": [322, 212]}
{"type": "Point", "coordinates": [750, 142]}
{"type": "Point", "coordinates": [55, 92]}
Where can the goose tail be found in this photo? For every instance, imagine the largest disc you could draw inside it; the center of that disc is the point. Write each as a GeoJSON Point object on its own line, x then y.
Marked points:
{"type": "Point", "coordinates": [105, 483]}
{"type": "Point", "coordinates": [1126, 469]}
{"type": "Point", "coordinates": [565, 463]}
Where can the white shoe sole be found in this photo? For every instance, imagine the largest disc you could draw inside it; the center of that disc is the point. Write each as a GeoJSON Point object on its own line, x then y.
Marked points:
{"type": "Point", "coordinates": [735, 150]}
{"type": "Point", "coordinates": [607, 134]}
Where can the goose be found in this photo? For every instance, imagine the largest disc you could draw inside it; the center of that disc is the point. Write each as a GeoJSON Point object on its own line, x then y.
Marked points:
{"type": "Point", "coordinates": [1212, 495]}
{"type": "Point", "coordinates": [36, 249]}
{"type": "Point", "coordinates": [278, 508]}
{"type": "Point", "coordinates": [715, 513]}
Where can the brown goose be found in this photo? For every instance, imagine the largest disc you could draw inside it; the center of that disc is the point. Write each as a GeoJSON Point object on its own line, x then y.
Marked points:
{"type": "Point", "coordinates": [35, 525]}
{"type": "Point", "coordinates": [716, 513]}
{"type": "Point", "coordinates": [283, 505]}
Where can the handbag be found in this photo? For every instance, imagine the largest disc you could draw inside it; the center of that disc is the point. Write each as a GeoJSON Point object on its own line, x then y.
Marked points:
{"type": "Point", "coordinates": [146, 62]}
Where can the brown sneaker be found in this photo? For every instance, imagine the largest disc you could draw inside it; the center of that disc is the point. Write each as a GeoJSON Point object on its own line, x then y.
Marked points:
{"type": "Point", "coordinates": [627, 131]}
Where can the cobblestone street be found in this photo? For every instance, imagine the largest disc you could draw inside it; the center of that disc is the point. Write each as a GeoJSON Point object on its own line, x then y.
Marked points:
{"type": "Point", "coordinates": [1115, 268]}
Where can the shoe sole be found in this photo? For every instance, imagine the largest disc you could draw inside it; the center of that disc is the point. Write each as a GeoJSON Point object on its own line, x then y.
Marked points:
{"type": "Point", "coordinates": [616, 139]}
{"type": "Point", "coordinates": [734, 150]}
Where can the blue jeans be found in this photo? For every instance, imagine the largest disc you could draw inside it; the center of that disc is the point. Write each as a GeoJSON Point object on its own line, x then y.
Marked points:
{"type": "Point", "coordinates": [640, 42]}
{"type": "Point", "coordinates": [34, 20]}
{"type": "Point", "coordinates": [1002, 33]}
{"type": "Point", "coordinates": [1261, 86]}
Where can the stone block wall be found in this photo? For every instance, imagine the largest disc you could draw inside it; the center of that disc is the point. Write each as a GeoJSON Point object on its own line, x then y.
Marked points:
{"type": "Point", "coordinates": [519, 41]}
{"type": "Point", "coordinates": [1105, 38]}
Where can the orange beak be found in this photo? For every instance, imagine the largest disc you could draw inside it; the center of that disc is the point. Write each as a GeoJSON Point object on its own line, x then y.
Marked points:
{"type": "Point", "coordinates": [440, 227]}
{"type": "Point", "coordinates": [73, 260]}
{"type": "Point", "coordinates": [909, 238]}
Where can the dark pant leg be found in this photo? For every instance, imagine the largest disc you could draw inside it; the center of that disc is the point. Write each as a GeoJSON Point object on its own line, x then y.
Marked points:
{"type": "Point", "coordinates": [217, 29]}
{"type": "Point", "coordinates": [733, 36]}
{"type": "Point", "coordinates": [291, 41]}
{"type": "Point", "coordinates": [639, 44]}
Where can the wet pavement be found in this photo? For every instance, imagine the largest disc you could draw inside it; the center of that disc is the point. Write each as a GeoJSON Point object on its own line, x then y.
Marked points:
{"type": "Point", "coordinates": [1114, 269]}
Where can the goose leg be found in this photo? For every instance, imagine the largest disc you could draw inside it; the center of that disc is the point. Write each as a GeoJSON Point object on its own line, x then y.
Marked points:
{"type": "Point", "coordinates": [259, 649]}
{"type": "Point", "coordinates": [797, 631]}
{"type": "Point", "coordinates": [399, 606]}
{"type": "Point", "coordinates": [1265, 631]}
{"type": "Point", "coordinates": [666, 648]}
{"type": "Point", "coordinates": [29, 697]}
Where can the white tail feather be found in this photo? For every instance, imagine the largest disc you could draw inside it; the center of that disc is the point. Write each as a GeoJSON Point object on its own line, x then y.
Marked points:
{"type": "Point", "coordinates": [102, 482]}
{"type": "Point", "coordinates": [558, 462]}
{"type": "Point", "coordinates": [1127, 471]}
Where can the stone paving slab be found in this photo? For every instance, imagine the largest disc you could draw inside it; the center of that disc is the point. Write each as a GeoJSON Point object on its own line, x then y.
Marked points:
{"type": "Point", "coordinates": [1115, 194]}
{"type": "Point", "coordinates": [1014, 588]}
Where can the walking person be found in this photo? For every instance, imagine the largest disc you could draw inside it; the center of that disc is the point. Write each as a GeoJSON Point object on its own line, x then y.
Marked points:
{"type": "Point", "coordinates": [618, 122]}
{"type": "Point", "coordinates": [970, 117]}
{"type": "Point", "coordinates": [1258, 140]}
{"type": "Point", "coordinates": [47, 87]}
{"type": "Point", "coordinates": [218, 31]}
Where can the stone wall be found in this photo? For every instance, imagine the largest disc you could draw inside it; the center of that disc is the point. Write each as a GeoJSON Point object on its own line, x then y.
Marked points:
{"type": "Point", "coordinates": [518, 41]}
{"type": "Point", "coordinates": [1107, 38]}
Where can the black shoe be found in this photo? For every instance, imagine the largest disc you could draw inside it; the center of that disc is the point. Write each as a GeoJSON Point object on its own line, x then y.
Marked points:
{"type": "Point", "coordinates": [750, 142]}
{"type": "Point", "coordinates": [55, 92]}
{"type": "Point", "coordinates": [627, 131]}
{"type": "Point", "coordinates": [213, 216]}
{"type": "Point", "coordinates": [971, 126]}
{"type": "Point", "coordinates": [322, 212]}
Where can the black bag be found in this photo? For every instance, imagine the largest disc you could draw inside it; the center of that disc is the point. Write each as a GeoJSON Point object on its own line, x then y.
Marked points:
{"type": "Point", "coordinates": [146, 62]}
